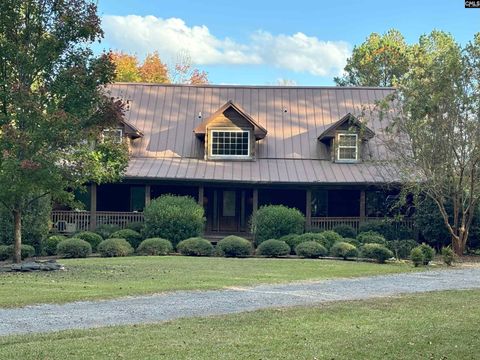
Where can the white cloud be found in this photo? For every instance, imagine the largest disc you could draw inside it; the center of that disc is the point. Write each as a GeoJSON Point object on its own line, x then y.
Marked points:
{"type": "Point", "coordinates": [170, 37]}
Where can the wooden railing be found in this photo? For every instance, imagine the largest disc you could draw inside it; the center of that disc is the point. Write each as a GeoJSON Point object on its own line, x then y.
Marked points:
{"type": "Point", "coordinates": [71, 221]}
{"type": "Point", "coordinates": [328, 223]}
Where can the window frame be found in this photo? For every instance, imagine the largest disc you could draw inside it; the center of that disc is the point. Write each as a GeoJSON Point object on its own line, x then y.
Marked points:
{"type": "Point", "coordinates": [117, 135]}
{"type": "Point", "coordinates": [339, 147]}
{"type": "Point", "coordinates": [229, 156]}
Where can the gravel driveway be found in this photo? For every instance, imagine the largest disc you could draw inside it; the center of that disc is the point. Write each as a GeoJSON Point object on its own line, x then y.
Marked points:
{"type": "Point", "coordinates": [168, 306]}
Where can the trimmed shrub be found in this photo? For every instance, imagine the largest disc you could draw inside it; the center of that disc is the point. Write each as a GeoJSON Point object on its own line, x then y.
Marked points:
{"type": "Point", "coordinates": [136, 226]}
{"type": "Point", "coordinates": [114, 247]}
{"type": "Point", "coordinates": [345, 231]}
{"type": "Point", "coordinates": [275, 221]}
{"type": "Point", "coordinates": [7, 251]}
{"type": "Point", "coordinates": [133, 237]}
{"type": "Point", "coordinates": [416, 255]}
{"type": "Point", "coordinates": [371, 237]}
{"type": "Point", "coordinates": [234, 246]}
{"type": "Point", "coordinates": [402, 248]}
{"type": "Point", "coordinates": [195, 246]}
{"type": "Point", "coordinates": [51, 243]}
{"type": "Point", "coordinates": [311, 236]}
{"type": "Point", "coordinates": [155, 246]}
{"type": "Point", "coordinates": [74, 248]}
{"type": "Point", "coordinates": [310, 249]}
{"type": "Point", "coordinates": [174, 218]}
{"type": "Point", "coordinates": [377, 252]}
{"type": "Point", "coordinates": [331, 237]}
{"type": "Point", "coordinates": [344, 250]}
{"type": "Point", "coordinates": [273, 248]}
{"type": "Point", "coordinates": [354, 242]}
{"type": "Point", "coordinates": [292, 240]}
{"type": "Point", "coordinates": [105, 230]}
{"type": "Point", "coordinates": [428, 253]}
{"type": "Point", "coordinates": [92, 238]}
{"type": "Point", "coordinates": [390, 231]}
{"type": "Point", "coordinates": [448, 255]}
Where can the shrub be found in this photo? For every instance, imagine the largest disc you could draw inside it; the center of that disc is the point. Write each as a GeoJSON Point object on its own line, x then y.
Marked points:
{"type": "Point", "coordinates": [275, 221]}
{"type": "Point", "coordinates": [428, 253]}
{"type": "Point", "coordinates": [377, 252]}
{"type": "Point", "coordinates": [105, 230]}
{"type": "Point", "coordinates": [155, 246]}
{"type": "Point", "coordinates": [344, 250]}
{"type": "Point", "coordinates": [331, 237]}
{"type": "Point", "coordinates": [345, 231]}
{"type": "Point", "coordinates": [273, 248]}
{"type": "Point", "coordinates": [448, 255]}
{"type": "Point", "coordinates": [74, 248]}
{"type": "Point", "coordinates": [371, 237]}
{"type": "Point", "coordinates": [402, 248]}
{"type": "Point", "coordinates": [114, 247]}
{"type": "Point", "coordinates": [354, 242]}
{"type": "Point", "coordinates": [390, 231]}
{"type": "Point", "coordinates": [416, 255]}
{"type": "Point", "coordinates": [310, 249]}
{"type": "Point", "coordinates": [7, 251]}
{"type": "Point", "coordinates": [174, 218]}
{"type": "Point", "coordinates": [133, 237]}
{"type": "Point", "coordinates": [195, 246]}
{"type": "Point", "coordinates": [292, 240]}
{"type": "Point", "coordinates": [136, 226]}
{"type": "Point", "coordinates": [50, 244]}
{"type": "Point", "coordinates": [310, 236]}
{"type": "Point", "coordinates": [92, 238]}
{"type": "Point", "coordinates": [234, 246]}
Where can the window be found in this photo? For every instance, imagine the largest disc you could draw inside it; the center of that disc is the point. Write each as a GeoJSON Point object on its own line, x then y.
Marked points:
{"type": "Point", "coordinates": [347, 148]}
{"type": "Point", "coordinates": [115, 135]}
{"type": "Point", "coordinates": [230, 143]}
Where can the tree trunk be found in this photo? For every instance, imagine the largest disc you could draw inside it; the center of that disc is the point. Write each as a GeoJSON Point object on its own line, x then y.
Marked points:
{"type": "Point", "coordinates": [17, 226]}
{"type": "Point", "coordinates": [458, 245]}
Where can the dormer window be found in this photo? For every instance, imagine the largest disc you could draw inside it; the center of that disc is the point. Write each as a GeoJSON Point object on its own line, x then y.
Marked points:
{"type": "Point", "coordinates": [115, 135]}
{"type": "Point", "coordinates": [230, 143]}
{"type": "Point", "coordinates": [347, 147]}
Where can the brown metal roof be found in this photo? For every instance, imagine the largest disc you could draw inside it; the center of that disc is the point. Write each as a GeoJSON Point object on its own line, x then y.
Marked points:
{"type": "Point", "coordinates": [290, 153]}
{"type": "Point", "coordinates": [367, 133]}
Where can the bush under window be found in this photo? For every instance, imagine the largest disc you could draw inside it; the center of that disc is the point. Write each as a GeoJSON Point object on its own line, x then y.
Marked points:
{"type": "Point", "coordinates": [344, 250]}
{"type": "Point", "coordinates": [155, 246]}
{"type": "Point", "coordinates": [234, 246]}
{"type": "Point", "coordinates": [275, 221]}
{"type": "Point", "coordinates": [331, 237]}
{"type": "Point", "coordinates": [195, 246]}
{"type": "Point", "coordinates": [74, 248]}
{"type": "Point", "coordinates": [105, 230]}
{"type": "Point", "coordinates": [92, 238]}
{"type": "Point", "coordinates": [115, 247]}
{"type": "Point", "coordinates": [174, 218]}
{"type": "Point", "coordinates": [133, 237]}
{"type": "Point", "coordinates": [310, 249]}
{"type": "Point", "coordinates": [371, 237]}
{"type": "Point", "coordinates": [345, 231]}
{"type": "Point", "coordinates": [292, 240]}
{"type": "Point", "coordinates": [273, 248]}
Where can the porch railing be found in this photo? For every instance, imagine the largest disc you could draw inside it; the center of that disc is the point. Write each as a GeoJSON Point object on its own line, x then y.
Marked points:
{"type": "Point", "coordinates": [72, 221]}
{"type": "Point", "coordinates": [328, 223]}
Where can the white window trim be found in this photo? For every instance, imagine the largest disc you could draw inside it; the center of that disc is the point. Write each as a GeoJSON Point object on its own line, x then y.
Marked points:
{"type": "Point", "coordinates": [339, 159]}
{"type": "Point", "coordinates": [210, 151]}
{"type": "Point", "coordinates": [117, 132]}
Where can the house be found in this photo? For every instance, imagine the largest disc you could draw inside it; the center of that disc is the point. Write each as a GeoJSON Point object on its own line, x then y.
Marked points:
{"type": "Point", "coordinates": [235, 148]}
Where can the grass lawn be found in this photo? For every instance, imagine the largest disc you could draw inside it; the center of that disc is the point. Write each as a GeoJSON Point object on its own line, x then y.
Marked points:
{"type": "Point", "coordinates": [101, 278]}
{"type": "Point", "coordinates": [441, 325]}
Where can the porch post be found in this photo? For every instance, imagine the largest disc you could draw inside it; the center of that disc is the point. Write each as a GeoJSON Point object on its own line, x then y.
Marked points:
{"type": "Point", "coordinates": [147, 194]}
{"type": "Point", "coordinates": [362, 204]}
{"type": "Point", "coordinates": [308, 209]}
{"type": "Point", "coordinates": [255, 200]}
{"type": "Point", "coordinates": [93, 207]}
{"type": "Point", "coordinates": [200, 195]}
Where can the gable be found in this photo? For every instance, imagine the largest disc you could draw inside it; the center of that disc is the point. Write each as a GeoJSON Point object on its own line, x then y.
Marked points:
{"type": "Point", "coordinates": [347, 123]}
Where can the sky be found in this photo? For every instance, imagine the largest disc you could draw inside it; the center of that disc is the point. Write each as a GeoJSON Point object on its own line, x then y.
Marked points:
{"type": "Point", "coordinates": [260, 42]}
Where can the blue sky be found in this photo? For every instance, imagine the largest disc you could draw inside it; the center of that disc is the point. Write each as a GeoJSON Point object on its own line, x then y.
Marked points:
{"type": "Point", "coordinates": [261, 42]}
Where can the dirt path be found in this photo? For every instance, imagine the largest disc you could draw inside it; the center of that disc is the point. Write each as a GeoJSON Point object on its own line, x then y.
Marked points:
{"type": "Point", "coordinates": [169, 306]}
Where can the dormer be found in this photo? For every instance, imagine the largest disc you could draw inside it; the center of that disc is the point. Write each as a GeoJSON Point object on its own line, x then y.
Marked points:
{"type": "Point", "coordinates": [345, 139]}
{"type": "Point", "coordinates": [230, 134]}
{"type": "Point", "coordinates": [124, 131]}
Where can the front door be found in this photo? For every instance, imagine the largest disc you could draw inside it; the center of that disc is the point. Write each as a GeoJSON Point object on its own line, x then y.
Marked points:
{"type": "Point", "coordinates": [228, 213]}
{"type": "Point", "coordinates": [228, 209]}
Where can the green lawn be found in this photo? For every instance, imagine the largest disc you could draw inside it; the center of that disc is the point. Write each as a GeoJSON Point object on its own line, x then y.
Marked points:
{"type": "Point", "coordinates": [441, 325]}
{"type": "Point", "coordinates": [100, 278]}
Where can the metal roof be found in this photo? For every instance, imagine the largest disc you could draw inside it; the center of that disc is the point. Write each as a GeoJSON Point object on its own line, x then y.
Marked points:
{"type": "Point", "coordinates": [290, 153]}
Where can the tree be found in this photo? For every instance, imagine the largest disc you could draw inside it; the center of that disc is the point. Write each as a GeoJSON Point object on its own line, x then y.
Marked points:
{"type": "Point", "coordinates": [380, 61]}
{"type": "Point", "coordinates": [126, 67]}
{"type": "Point", "coordinates": [184, 73]}
{"type": "Point", "coordinates": [153, 70]}
{"type": "Point", "coordinates": [434, 133]}
{"type": "Point", "coordinates": [52, 105]}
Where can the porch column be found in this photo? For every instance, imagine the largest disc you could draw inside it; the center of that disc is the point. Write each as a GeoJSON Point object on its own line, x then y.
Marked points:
{"type": "Point", "coordinates": [308, 209]}
{"type": "Point", "coordinates": [200, 195]}
{"type": "Point", "coordinates": [255, 200]}
{"type": "Point", "coordinates": [93, 207]}
{"type": "Point", "coordinates": [147, 194]}
{"type": "Point", "coordinates": [362, 204]}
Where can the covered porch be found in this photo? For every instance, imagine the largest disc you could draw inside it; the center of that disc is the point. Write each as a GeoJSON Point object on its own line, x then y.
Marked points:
{"type": "Point", "coordinates": [229, 207]}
